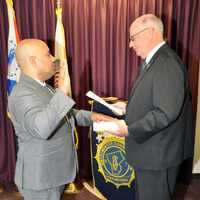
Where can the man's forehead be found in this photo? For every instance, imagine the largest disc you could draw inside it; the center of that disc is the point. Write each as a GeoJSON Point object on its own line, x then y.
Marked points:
{"type": "Point", "coordinates": [41, 47]}
{"type": "Point", "coordinates": [35, 49]}
{"type": "Point", "coordinates": [135, 27]}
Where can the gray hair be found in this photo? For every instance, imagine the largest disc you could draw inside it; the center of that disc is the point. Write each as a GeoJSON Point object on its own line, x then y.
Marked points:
{"type": "Point", "coordinates": [150, 20]}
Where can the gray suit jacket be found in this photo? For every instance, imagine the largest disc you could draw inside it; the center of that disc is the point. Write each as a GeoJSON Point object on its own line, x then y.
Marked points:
{"type": "Point", "coordinates": [46, 157]}
{"type": "Point", "coordinates": [156, 114]}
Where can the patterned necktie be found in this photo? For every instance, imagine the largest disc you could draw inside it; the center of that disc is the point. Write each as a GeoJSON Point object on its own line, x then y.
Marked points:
{"type": "Point", "coordinates": [51, 90]}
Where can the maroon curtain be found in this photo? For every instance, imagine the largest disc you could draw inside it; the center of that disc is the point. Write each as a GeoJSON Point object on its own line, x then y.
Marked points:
{"type": "Point", "coordinates": [97, 37]}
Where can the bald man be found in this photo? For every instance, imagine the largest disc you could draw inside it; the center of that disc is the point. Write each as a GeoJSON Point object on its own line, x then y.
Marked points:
{"type": "Point", "coordinates": [157, 117]}
{"type": "Point", "coordinates": [44, 120]}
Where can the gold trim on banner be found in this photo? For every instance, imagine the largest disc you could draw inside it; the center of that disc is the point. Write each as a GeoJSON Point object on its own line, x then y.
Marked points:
{"type": "Point", "coordinates": [94, 191]}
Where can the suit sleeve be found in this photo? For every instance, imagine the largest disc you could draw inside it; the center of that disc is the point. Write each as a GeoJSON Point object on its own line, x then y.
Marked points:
{"type": "Point", "coordinates": [39, 120]}
{"type": "Point", "coordinates": [83, 117]}
{"type": "Point", "coordinates": [168, 97]}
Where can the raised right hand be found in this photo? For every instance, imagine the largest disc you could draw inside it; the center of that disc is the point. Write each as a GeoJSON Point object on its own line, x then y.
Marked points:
{"type": "Point", "coordinates": [64, 81]}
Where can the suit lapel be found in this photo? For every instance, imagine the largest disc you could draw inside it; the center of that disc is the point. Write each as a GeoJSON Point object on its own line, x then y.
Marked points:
{"type": "Point", "coordinates": [147, 68]}
{"type": "Point", "coordinates": [138, 80]}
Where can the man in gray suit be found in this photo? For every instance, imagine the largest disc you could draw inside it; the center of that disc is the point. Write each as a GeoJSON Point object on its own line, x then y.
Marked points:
{"type": "Point", "coordinates": [44, 121]}
{"type": "Point", "coordinates": [156, 114]}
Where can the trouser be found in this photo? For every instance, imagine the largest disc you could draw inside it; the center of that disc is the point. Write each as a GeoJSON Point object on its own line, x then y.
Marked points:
{"type": "Point", "coordinates": [48, 194]}
{"type": "Point", "coordinates": [155, 185]}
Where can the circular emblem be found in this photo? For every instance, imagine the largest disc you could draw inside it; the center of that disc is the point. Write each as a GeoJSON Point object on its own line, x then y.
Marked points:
{"type": "Point", "coordinates": [111, 161]}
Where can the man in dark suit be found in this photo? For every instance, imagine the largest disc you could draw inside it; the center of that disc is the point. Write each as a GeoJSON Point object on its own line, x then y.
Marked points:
{"type": "Point", "coordinates": [44, 121]}
{"type": "Point", "coordinates": [155, 120]}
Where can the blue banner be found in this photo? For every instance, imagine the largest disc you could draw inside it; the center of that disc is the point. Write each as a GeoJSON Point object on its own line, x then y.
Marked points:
{"type": "Point", "coordinates": [112, 175]}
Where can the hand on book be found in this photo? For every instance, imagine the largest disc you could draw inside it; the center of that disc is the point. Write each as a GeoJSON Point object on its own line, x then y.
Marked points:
{"type": "Point", "coordinates": [122, 130]}
{"type": "Point", "coordinates": [97, 117]}
{"type": "Point", "coordinates": [115, 127]}
{"type": "Point", "coordinates": [120, 105]}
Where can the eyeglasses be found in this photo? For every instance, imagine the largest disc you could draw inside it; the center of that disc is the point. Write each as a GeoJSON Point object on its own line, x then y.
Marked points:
{"type": "Point", "coordinates": [132, 37]}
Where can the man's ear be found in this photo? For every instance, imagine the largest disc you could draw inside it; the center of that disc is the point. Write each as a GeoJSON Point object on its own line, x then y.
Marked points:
{"type": "Point", "coordinates": [32, 60]}
{"type": "Point", "coordinates": [151, 32]}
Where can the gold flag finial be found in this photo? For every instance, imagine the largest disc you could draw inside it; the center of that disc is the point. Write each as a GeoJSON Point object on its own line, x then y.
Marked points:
{"type": "Point", "coordinates": [59, 3]}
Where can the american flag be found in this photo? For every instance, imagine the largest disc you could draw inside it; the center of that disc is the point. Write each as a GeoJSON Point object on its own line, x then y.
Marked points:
{"type": "Point", "coordinates": [13, 40]}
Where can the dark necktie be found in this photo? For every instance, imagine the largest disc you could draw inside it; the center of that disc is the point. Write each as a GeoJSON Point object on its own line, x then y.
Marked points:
{"type": "Point", "coordinates": [142, 67]}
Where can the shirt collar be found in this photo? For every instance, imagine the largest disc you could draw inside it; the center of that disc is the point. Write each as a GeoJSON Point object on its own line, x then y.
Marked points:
{"type": "Point", "coordinates": [41, 83]}
{"type": "Point", "coordinates": [153, 51]}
